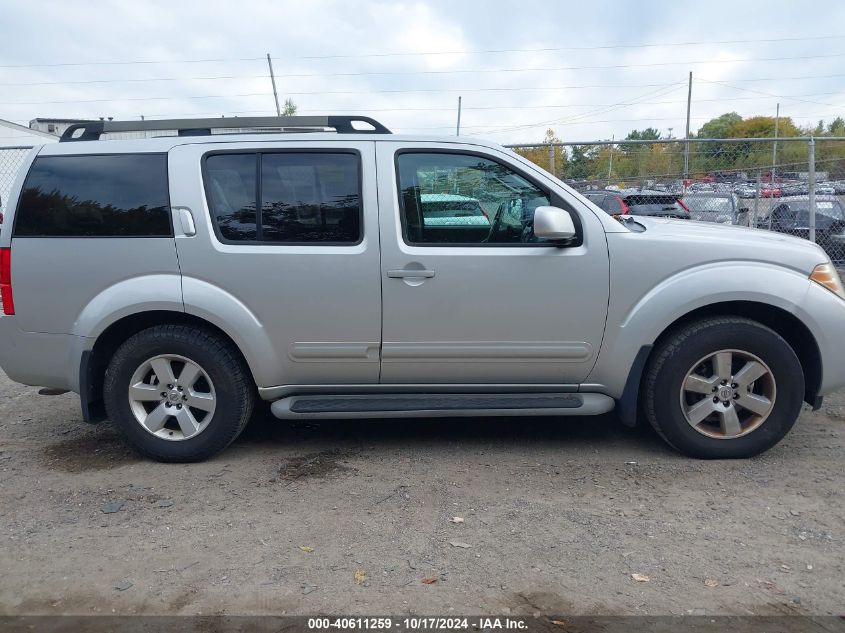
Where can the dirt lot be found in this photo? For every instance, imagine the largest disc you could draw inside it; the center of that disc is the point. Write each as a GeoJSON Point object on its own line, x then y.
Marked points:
{"type": "Point", "coordinates": [558, 515]}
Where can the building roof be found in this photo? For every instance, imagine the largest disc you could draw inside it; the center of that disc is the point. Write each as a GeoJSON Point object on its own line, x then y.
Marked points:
{"type": "Point", "coordinates": [59, 120]}
{"type": "Point", "coordinates": [21, 130]}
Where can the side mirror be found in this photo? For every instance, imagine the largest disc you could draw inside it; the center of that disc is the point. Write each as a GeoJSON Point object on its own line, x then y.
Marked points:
{"type": "Point", "coordinates": [554, 224]}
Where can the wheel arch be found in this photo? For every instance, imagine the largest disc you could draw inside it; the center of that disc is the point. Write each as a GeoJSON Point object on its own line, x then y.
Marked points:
{"type": "Point", "coordinates": [791, 328]}
{"type": "Point", "coordinates": [94, 361]}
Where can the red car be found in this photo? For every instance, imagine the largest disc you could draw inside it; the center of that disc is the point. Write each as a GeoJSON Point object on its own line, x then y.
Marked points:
{"type": "Point", "coordinates": [769, 191]}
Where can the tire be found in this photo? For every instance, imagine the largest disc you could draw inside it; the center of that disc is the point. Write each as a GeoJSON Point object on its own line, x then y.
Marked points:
{"type": "Point", "coordinates": [745, 349]}
{"type": "Point", "coordinates": [187, 423]}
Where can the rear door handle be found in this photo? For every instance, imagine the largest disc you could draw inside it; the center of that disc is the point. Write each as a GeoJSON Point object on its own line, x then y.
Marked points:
{"type": "Point", "coordinates": [410, 274]}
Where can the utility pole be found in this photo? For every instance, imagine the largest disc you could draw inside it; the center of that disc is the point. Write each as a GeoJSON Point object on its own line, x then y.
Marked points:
{"type": "Point", "coordinates": [686, 145]}
{"type": "Point", "coordinates": [775, 144]}
{"type": "Point", "coordinates": [458, 128]}
{"type": "Point", "coordinates": [610, 162]}
{"type": "Point", "coordinates": [273, 81]}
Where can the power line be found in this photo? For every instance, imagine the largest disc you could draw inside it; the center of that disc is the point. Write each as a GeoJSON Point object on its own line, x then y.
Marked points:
{"type": "Point", "coordinates": [129, 63]}
{"type": "Point", "coordinates": [251, 94]}
{"type": "Point", "coordinates": [571, 48]}
{"type": "Point", "coordinates": [492, 89]}
{"type": "Point", "coordinates": [621, 104]}
{"type": "Point", "coordinates": [502, 89]}
{"type": "Point", "coordinates": [641, 120]}
{"type": "Point", "coordinates": [146, 79]}
{"type": "Point", "coordinates": [426, 53]}
{"type": "Point", "coordinates": [328, 92]}
{"type": "Point", "coordinates": [489, 108]}
{"type": "Point", "coordinates": [802, 77]}
{"type": "Point", "coordinates": [769, 94]}
{"type": "Point", "coordinates": [228, 77]}
{"type": "Point", "coordinates": [474, 71]}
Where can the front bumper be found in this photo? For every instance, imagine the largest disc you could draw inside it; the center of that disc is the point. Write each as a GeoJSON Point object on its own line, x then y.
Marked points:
{"type": "Point", "coordinates": [824, 313]}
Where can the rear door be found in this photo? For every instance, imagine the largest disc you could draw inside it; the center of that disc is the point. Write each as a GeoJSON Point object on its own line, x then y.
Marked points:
{"type": "Point", "coordinates": [467, 301]}
{"type": "Point", "coordinates": [288, 231]}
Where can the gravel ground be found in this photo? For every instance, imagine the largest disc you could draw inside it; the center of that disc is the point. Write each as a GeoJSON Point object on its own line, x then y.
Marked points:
{"type": "Point", "coordinates": [557, 517]}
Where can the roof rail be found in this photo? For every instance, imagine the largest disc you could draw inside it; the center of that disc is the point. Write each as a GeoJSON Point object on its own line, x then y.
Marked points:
{"type": "Point", "coordinates": [342, 124]}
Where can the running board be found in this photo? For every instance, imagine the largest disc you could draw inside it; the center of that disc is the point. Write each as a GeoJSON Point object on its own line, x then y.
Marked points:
{"type": "Point", "coordinates": [441, 405]}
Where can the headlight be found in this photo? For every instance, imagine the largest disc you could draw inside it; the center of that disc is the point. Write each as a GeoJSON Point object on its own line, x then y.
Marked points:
{"type": "Point", "coordinates": [826, 275]}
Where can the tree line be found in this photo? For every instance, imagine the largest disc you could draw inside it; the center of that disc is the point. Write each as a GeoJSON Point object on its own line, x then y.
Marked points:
{"type": "Point", "coordinates": [626, 163]}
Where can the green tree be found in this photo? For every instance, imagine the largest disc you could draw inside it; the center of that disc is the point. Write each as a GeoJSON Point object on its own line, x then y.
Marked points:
{"type": "Point", "coordinates": [648, 134]}
{"type": "Point", "coordinates": [289, 108]}
{"type": "Point", "coordinates": [717, 155]}
{"type": "Point", "coordinates": [540, 155]}
{"type": "Point", "coordinates": [836, 127]}
{"type": "Point", "coordinates": [578, 167]}
{"type": "Point", "coordinates": [764, 126]}
{"type": "Point", "coordinates": [720, 127]}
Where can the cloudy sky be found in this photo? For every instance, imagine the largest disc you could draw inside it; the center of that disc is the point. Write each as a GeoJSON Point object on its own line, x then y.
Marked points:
{"type": "Point", "coordinates": [587, 69]}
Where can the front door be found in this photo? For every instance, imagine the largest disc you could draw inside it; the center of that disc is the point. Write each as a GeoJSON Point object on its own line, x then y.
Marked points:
{"type": "Point", "coordinates": [469, 294]}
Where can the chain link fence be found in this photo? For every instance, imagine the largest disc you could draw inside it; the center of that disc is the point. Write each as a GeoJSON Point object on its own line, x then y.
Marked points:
{"type": "Point", "coordinates": [790, 185]}
{"type": "Point", "coordinates": [11, 159]}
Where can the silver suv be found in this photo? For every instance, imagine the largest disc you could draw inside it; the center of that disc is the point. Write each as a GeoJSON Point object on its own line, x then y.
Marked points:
{"type": "Point", "coordinates": [352, 273]}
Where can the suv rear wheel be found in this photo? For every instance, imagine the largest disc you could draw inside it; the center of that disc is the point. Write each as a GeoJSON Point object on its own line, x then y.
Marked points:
{"type": "Point", "coordinates": [725, 387]}
{"type": "Point", "coordinates": [178, 393]}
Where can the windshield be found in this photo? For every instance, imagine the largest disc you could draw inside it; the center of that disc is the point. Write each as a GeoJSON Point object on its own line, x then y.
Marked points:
{"type": "Point", "coordinates": [712, 205]}
{"type": "Point", "coordinates": [829, 208]}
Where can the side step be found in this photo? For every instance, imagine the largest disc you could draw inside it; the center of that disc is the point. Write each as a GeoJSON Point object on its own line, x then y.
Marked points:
{"type": "Point", "coordinates": [441, 405]}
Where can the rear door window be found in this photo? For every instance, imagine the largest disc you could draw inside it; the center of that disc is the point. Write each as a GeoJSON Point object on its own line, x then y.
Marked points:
{"type": "Point", "coordinates": [285, 197]}
{"type": "Point", "coordinates": [116, 195]}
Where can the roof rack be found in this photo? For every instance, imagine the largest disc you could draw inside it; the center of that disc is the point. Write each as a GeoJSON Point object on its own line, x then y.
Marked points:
{"type": "Point", "coordinates": [342, 124]}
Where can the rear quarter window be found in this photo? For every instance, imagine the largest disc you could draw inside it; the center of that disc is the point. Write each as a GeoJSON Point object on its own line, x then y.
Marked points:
{"type": "Point", "coordinates": [117, 195]}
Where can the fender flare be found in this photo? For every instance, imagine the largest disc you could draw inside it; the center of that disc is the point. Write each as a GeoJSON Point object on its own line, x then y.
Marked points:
{"type": "Point", "coordinates": [236, 320]}
{"type": "Point", "coordinates": [643, 322]}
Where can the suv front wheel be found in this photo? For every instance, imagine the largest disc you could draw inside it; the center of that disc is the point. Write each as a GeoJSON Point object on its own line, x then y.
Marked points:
{"type": "Point", "coordinates": [178, 393]}
{"type": "Point", "coordinates": [725, 387]}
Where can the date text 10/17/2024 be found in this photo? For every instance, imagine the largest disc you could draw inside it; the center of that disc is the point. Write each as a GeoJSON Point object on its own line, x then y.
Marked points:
{"type": "Point", "coordinates": [418, 624]}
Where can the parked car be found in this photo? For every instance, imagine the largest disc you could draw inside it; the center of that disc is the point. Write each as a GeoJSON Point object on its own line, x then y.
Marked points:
{"type": "Point", "coordinates": [458, 218]}
{"type": "Point", "coordinates": [770, 191]}
{"type": "Point", "coordinates": [794, 189]}
{"type": "Point", "coordinates": [722, 208]}
{"type": "Point", "coordinates": [793, 216]}
{"type": "Point", "coordinates": [639, 202]}
{"type": "Point", "coordinates": [825, 189]}
{"type": "Point", "coordinates": [745, 191]}
{"type": "Point", "coordinates": [700, 186]}
{"type": "Point", "coordinates": [173, 281]}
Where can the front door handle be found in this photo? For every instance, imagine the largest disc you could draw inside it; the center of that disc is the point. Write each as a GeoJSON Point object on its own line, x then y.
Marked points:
{"type": "Point", "coordinates": [186, 221]}
{"type": "Point", "coordinates": [406, 273]}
